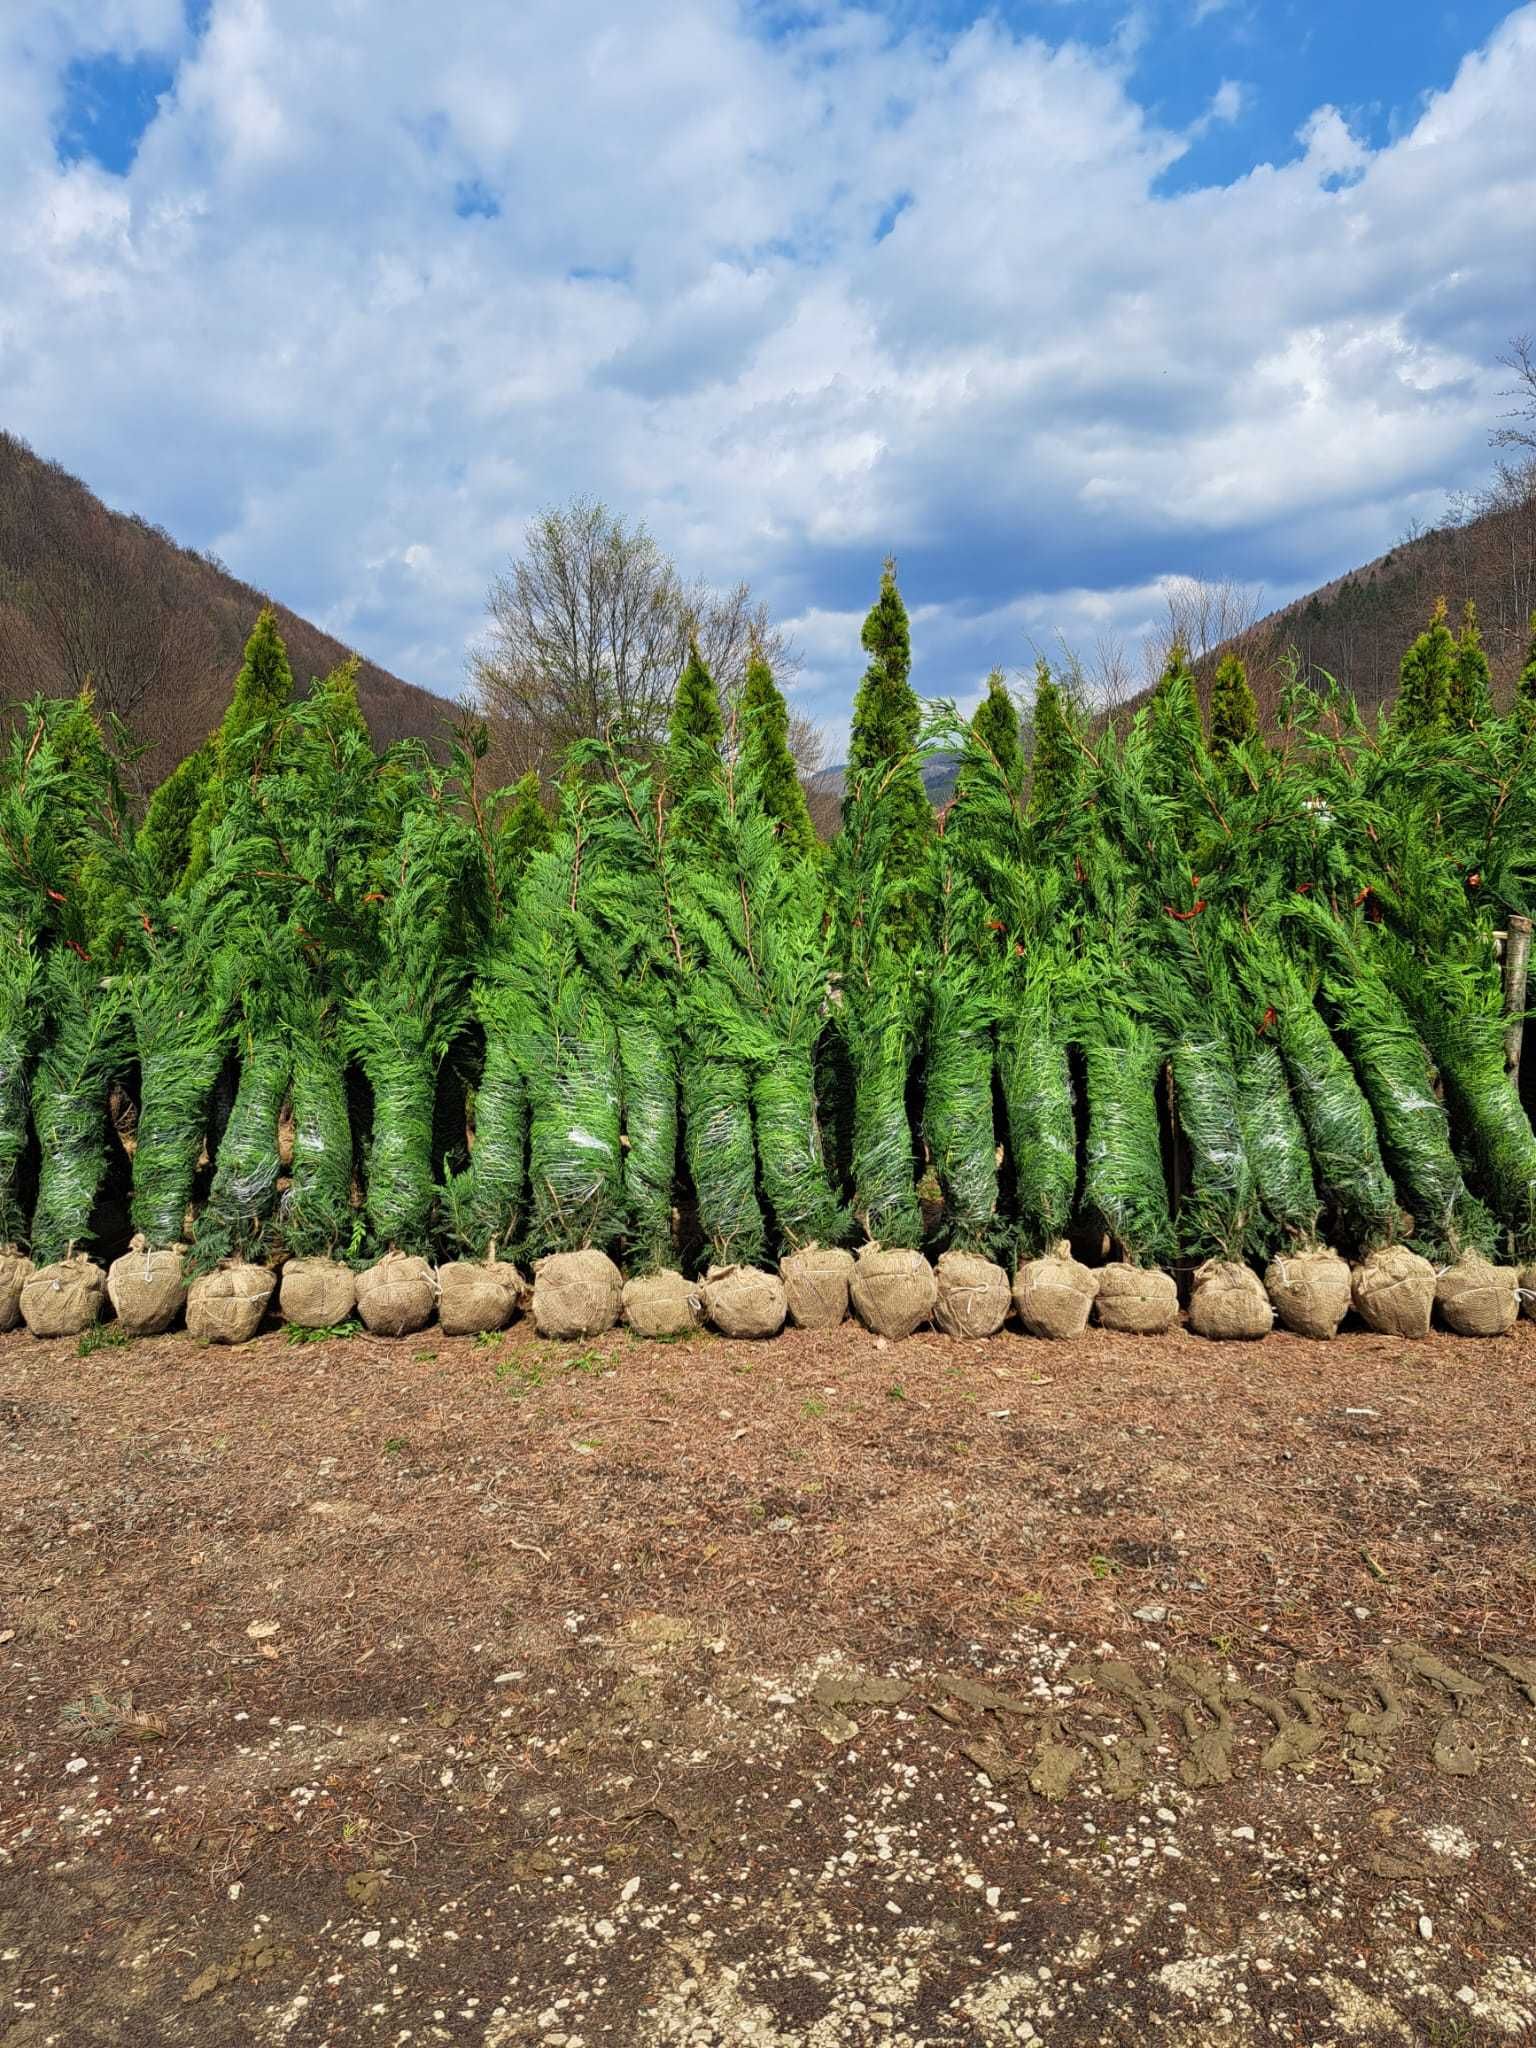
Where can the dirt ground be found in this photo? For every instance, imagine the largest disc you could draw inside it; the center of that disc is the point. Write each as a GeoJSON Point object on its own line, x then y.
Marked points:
{"type": "Point", "coordinates": [825, 1691]}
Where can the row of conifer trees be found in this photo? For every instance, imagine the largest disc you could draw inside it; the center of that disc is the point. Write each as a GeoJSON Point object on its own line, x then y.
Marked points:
{"type": "Point", "coordinates": [1169, 987]}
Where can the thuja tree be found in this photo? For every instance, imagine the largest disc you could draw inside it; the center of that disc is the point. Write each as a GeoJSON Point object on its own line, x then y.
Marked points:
{"type": "Point", "coordinates": [1424, 678]}
{"type": "Point", "coordinates": [884, 769]}
{"type": "Point", "coordinates": [878, 1018]}
{"type": "Point", "coordinates": [768, 765]}
{"type": "Point", "coordinates": [1055, 766]}
{"type": "Point", "coordinates": [994, 727]}
{"type": "Point", "coordinates": [60, 805]}
{"type": "Point", "coordinates": [283, 893]}
{"type": "Point", "coordinates": [165, 837]}
{"type": "Point", "coordinates": [63, 825]}
{"type": "Point", "coordinates": [523, 828]}
{"type": "Point", "coordinates": [312, 835]}
{"type": "Point", "coordinates": [753, 922]}
{"type": "Point", "coordinates": [694, 739]}
{"type": "Point", "coordinates": [429, 892]}
{"type": "Point", "coordinates": [1470, 697]}
{"type": "Point", "coordinates": [1234, 708]}
{"type": "Point", "coordinates": [249, 728]}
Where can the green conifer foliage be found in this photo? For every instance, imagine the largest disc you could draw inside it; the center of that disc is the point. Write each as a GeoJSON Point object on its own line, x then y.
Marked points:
{"type": "Point", "coordinates": [1234, 708]}
{"type": "Point", "coordinates": [1525, 685]}
{"type": "Point", "coordinates": [523, 830]}
{"type": "Point", "coordinates": [996, 725]}
{"type": "Point", "coordinates": [62, 831]}
{"type": "Point", "coordinates": [694, 739]}
{"type": "Point", "coordinates": [1470, 699]}
{"type": "Point", "coordinates": [884, 767]}
{"type": "Point", "coordinates": [263, 690]}
{"type": "Point", "coordinates": [1055, 771]}
{"type": "Point", "coordinates": [768, 764]}
{"type": "Point", "coordinates": [165, 837]}
{"type": "Point", "coordinates": [1424, 678]}
{"type": "Point", "coordinates": [1176, 748]}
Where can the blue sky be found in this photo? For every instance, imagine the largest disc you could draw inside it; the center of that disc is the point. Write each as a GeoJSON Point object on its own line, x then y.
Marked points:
{"type": "Point", "coordinates": [1058, 302]}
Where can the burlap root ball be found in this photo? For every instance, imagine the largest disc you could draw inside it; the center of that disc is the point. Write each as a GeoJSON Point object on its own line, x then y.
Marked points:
{"type": "Point", "coordinates": [396, 1297]}
{"type": "Point", "coordinates": [893, 1293]}
{"type": "Point", "coordinates": [1394, 1292]}
{"type": "Point", "coordinates": [816, 1286]}
{"type": "Point", "coordinates": [1527, 1292]}
{"type": "Point", "coordinates": [1054, 1294]}
{"type": "Point", "coordinates": [662, 1305]}
{"type": "Point", "coordinates": [576, 1294]}
{"type": "Point", "coordinates": [226, 1306]}
{"type": "Point", "coordinates": [1477, 1299]}
{"type": "Point", "coordinates": [16, 1269]}
{"type": "Point", "coordinates": [64, 1299]}
{"type": "Point", "coordinates": [147, 1289]}
{"type": "Point", "coordinates": [1309, 1291]}
{"type": "Point", "coordinates": [317, 1294]}
{"type": "Point", "coordinates": [974, 1295]}
{"type": "Point", "coordinates": [1227, 1303]}
{"type": "Point", "coordinates": [1136, 1301]}
{"type": "Point", "coordinates": [474, 1295]}
{"type": "Point", "coordinates": [744, 1301]}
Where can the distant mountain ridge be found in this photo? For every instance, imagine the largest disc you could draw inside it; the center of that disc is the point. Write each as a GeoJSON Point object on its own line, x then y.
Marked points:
{"type": "Point", "coordinates": [157, 627]}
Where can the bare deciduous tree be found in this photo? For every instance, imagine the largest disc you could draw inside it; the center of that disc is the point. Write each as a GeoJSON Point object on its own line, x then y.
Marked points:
{"type": "Point", "coordinates": [1201, 615]}
{"type": "Point", "coordinates": [588, 632]}
{"type": "Point", "coordinates": [1519, 430]}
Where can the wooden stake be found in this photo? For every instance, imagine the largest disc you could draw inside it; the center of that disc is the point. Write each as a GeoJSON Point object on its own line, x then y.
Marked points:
{"type": "Point", "coordinates": [1517, 951]}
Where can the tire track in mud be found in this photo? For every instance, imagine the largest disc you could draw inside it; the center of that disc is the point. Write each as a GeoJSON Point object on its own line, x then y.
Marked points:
{"type": "Point", "coordinates": [1208, 1726]}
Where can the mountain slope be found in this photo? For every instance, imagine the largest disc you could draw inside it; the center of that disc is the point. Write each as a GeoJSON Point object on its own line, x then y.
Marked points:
{"type": "Point", "coordinates": [1357, 627]}
{"type": "Point", "coordinates": [157, 628]}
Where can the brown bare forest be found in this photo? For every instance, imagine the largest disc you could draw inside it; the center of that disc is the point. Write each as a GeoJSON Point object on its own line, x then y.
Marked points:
{"type": "Point", "coordinates": [1357, 627]}
{"type": "Point", "coordinates": [91, 594]}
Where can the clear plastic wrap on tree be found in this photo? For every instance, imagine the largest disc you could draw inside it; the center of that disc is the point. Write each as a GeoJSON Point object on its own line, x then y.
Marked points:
{"type": "Point", "coordinates": [317, 1212]}
{"type": "Point", "coordinates": [1341, 1133]}
{"type": "Point", "coordinates": [243, 1196]}
{"type": "Point", "coordinates": [958, 1120]}
{"type": "Point", "coordinates": [648, 1077]}
{"type": "Point", "coordinates": [1216, 1211]}
{"type": "Point", "coordinates": [1276, 1143]}
{"type": "Point", "coordinates": [1124, 1188]}
{"type": "Point", "coordinates": [722, 1160]}
{"type": "Point", "coordinates": [84, 1045]}
{"type": "Point", "coordinates": [1036, 1078]}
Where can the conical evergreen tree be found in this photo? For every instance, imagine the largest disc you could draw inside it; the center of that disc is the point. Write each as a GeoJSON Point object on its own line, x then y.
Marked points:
{"type": "Point", "coordinates": [1055, 762]}
{"type": "Point", "coordinates": [694, 740]}
{"type": "Point", "coordinates": [992, 751]}
{"type": "Point", "coordinates": [884, 768]}
{"type": "Point", "coordinates": [1470, 699]}
{"type": "Point", "coordinates": [263, 690]}
{"type": "Point", "coordinates": [1234, 708]}
{"type": "Point", "coordinates": [343, 716]}
{"type": "Point", "coordinates": [524, 830]}
{"type": "Point", "coordinates": [165, 837]}
{"type": "Point", "coordinates": [1176, 757]}
{"type": "Point", "coordinates": [1424, 678]}
{"type": "Point", "coordinates": [996, 725]}
{"type": "Point", "coordinates": [1525, 684]}
{"type": "Point", "coordinates": [766, 758]}
{"type": "Point", "coordinates": [886, 717]}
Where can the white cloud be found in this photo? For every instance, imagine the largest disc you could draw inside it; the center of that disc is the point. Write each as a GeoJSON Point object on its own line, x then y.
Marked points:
{"type": "Point", "coordinates": [1046, 387]}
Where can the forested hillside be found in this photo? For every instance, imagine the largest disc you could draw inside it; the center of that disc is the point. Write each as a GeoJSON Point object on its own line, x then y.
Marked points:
{"type": "Point", "coordinates": [91, 594]}
{"type": "Point", "coordinates": [1356, 628]}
